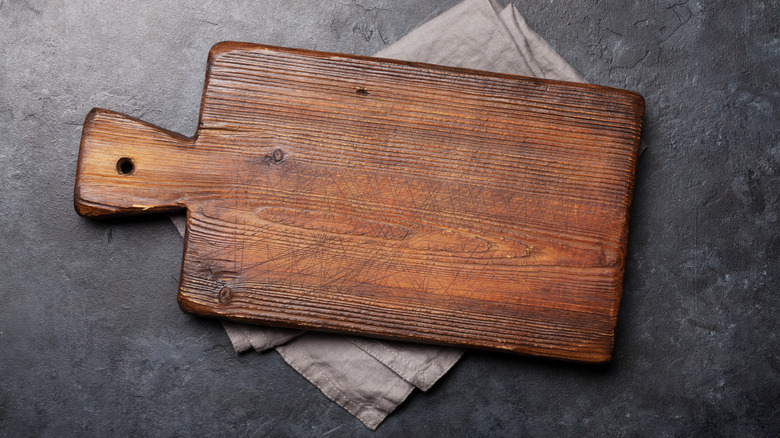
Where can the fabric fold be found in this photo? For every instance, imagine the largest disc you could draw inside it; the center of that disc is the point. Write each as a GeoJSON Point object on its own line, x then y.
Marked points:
{"type": "Point", "coordinates": [359, 383]}
{"type": "Point", "coordinates": [419, 364]}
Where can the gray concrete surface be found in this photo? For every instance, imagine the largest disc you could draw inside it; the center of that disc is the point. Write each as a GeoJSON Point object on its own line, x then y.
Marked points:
{"type": "Point", "coordinates": [93, 344]}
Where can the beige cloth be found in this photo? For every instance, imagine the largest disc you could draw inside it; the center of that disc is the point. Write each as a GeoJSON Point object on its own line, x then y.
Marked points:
{"type": "Point", "coordinates": [370, 377]}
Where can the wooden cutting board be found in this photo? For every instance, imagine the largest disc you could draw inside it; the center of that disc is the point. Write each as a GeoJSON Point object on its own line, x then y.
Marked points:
{"type": "Point", "coordinates": [390, 199]}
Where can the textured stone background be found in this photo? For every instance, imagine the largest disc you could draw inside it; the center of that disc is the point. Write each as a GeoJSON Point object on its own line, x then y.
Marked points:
{"type": "Point", "coordinates": [92, 342]}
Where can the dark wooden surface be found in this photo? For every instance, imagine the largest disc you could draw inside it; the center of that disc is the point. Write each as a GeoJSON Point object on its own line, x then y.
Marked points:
{"type": "Point", "coordinates": [391, 199]}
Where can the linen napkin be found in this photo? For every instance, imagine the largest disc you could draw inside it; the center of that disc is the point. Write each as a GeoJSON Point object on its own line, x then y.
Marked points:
{"type": "Point", "coordinates": [370, 377]}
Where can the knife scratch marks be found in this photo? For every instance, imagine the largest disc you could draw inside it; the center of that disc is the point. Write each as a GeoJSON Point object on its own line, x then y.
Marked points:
{"type": "Point", "coordinates": [307, 228]}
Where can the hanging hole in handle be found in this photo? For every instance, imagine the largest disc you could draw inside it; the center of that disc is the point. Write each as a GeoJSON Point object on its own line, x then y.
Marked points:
{"type": "Point", "coordinates": [125, 166]}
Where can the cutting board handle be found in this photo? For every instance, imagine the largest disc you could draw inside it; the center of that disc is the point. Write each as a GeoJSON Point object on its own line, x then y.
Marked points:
{"type": "Point", "coordinates": [127, 167]}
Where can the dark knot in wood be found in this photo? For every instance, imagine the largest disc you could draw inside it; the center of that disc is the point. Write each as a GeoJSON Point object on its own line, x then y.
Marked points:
{"type": "Point", "coordinates": [277, 155]}
{"type": "Point", "coordinates": [224, 295]}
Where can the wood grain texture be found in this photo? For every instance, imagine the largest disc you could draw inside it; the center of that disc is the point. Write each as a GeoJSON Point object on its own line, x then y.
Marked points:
{"type": "Point", "coordinates": [386, 198]}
